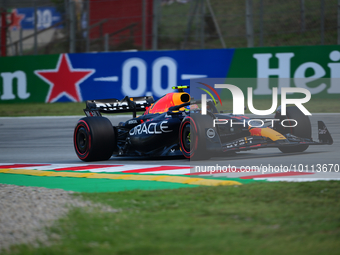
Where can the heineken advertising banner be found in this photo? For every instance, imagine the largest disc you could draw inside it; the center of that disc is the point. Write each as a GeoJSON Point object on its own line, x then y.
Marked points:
{"type": "Point", "coordinates": [84, 76]}
{"type": "Point", "coordinates": [316, 68]}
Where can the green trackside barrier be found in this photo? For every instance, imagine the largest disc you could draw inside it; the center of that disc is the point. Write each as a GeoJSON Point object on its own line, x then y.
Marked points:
{"type": "Point", "coordinates": [264, 68]}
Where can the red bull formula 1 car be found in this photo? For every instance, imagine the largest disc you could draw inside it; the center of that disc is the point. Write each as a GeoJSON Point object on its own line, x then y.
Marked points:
{"type": "Point", "coordinates": [173, 125]}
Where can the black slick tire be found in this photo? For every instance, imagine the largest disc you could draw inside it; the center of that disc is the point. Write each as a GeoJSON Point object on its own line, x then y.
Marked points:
{"type": "Point", "coordinates": [192, 138]}
{"type": "Point", "coordinates": [94, 139]}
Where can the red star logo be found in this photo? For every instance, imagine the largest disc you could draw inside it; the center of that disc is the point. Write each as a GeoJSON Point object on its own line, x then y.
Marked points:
{"type": "Point", "coordinates": [16, 19]}
{"type": "Point", "coordinates": [64, 80]}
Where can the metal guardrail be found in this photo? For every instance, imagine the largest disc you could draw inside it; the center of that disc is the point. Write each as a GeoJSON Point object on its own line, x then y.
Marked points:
{"type": "Point", "coordinates": [19, 42]}
{"type": "Point", "coordinates": [104, 38]}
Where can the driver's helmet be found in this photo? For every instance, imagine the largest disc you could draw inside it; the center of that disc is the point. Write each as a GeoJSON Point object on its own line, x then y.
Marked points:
{"type": "Point", "coordinates": [192, 107]}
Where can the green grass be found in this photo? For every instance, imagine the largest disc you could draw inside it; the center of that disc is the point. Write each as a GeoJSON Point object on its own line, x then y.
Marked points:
{"type": "Point", "coordinates": [42, 109]}
{"type": "Point", "coordinates": [65, 109]}
{"type": "Point", "coordinates": [260, 218]}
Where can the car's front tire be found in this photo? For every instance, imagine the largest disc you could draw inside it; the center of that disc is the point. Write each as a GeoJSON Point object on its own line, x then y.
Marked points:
{"type": "Point", "coordinates": [192, 136]}
{"type": "Point", "coordinates": [94, 139]}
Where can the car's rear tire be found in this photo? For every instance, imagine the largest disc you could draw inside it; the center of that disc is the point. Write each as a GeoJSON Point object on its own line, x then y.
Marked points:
{"type": "Point", "coordinates": [94, 139]}
{"type": "Point", "coordinates": [303, 129]}
{"type": "Point", "coordinates": [192, 138]}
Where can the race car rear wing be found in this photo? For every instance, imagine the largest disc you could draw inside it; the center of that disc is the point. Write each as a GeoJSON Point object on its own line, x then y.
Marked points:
{"type": "Point", "coordinates": [127, 104]}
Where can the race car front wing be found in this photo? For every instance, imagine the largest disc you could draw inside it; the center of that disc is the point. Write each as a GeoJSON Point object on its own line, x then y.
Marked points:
{"type": "Point", "coordinates": [256, 142]}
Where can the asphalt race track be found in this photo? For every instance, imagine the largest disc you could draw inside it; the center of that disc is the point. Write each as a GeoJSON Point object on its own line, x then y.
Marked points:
{"type": "Point", "coordinates": [49, 140]}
